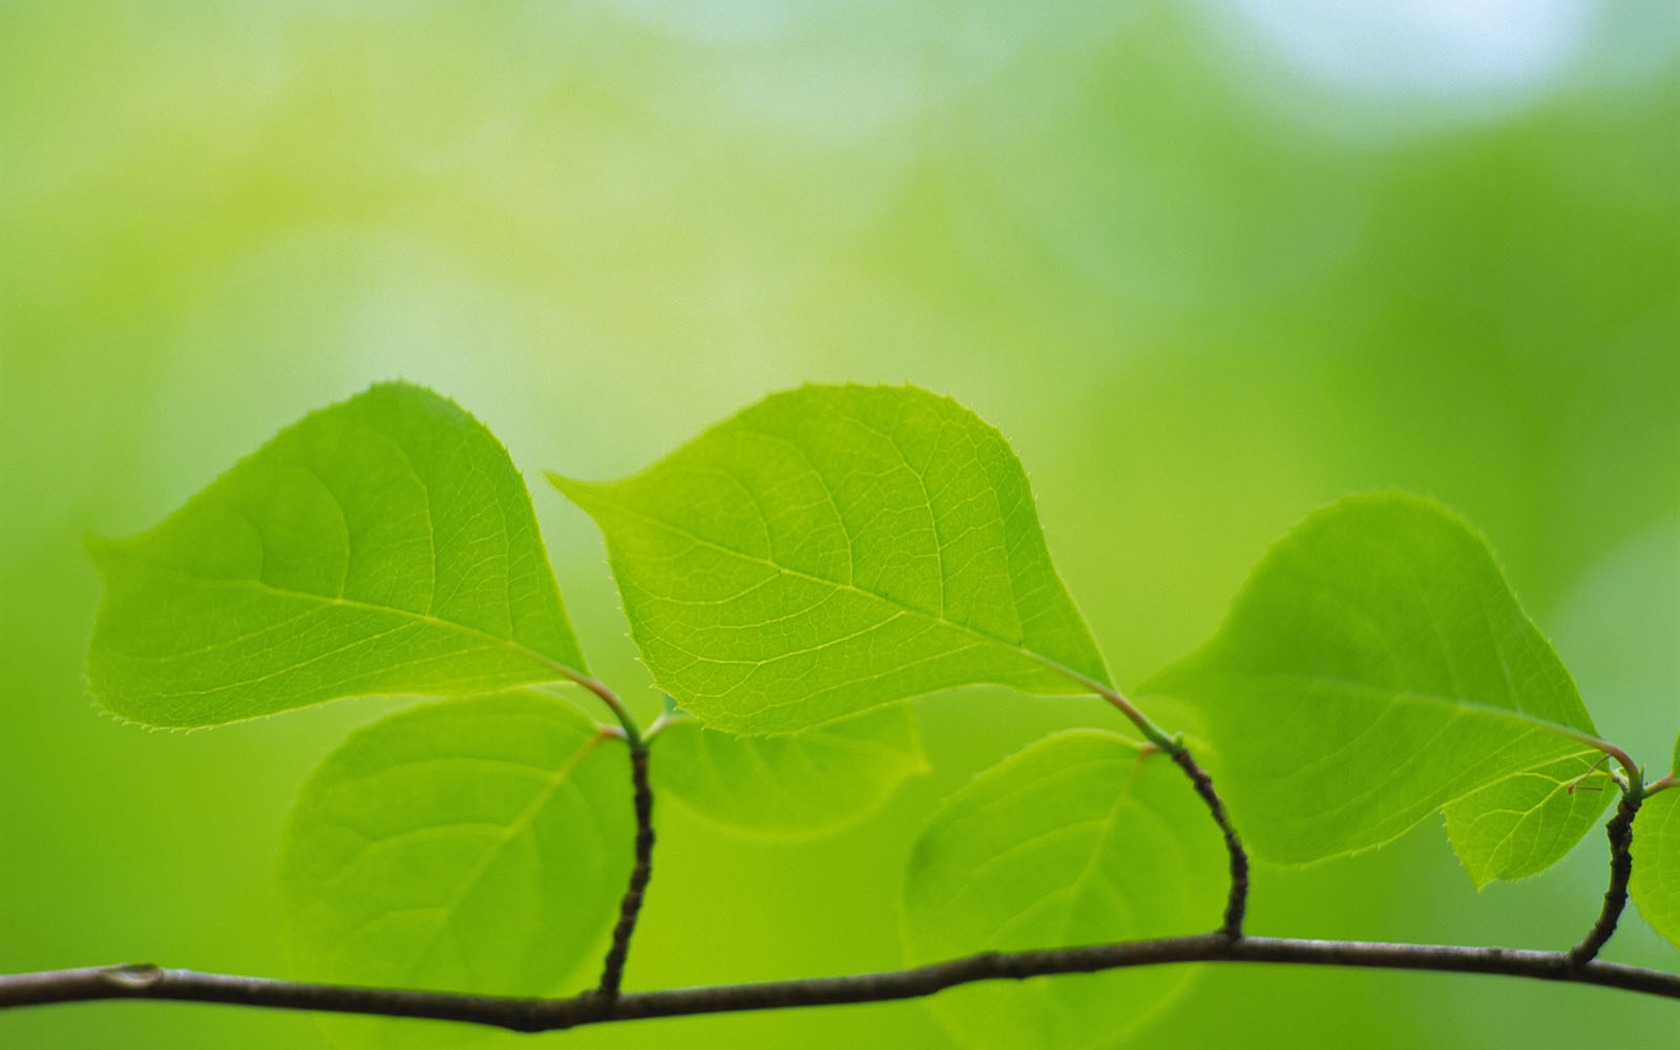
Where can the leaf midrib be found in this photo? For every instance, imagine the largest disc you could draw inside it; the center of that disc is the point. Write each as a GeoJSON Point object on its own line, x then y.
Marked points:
{"type": "Point", "coordinates": [559, 669]}
{"type": "Point", "coordinates": [1470, 706]}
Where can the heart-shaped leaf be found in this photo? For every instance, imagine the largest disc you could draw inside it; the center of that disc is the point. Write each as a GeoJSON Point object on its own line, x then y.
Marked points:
{"type": "Point", "coordinates": [384, 545]}
{"type": "Point", "coordinates": [1082, 838]}
{"type": "Point", "coordinates": [832, 549]}
{"type": "Point", "coordinates": [475, 845]}
{"type": "Point", "coordinates": [1375, 668]}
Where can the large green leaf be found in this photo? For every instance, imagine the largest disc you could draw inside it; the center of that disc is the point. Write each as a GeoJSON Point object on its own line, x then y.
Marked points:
{"type": "Point", "coordinates": [795, 786]}
{"type": "Point", "coordinates": [1375, 668]}
{"type": "Point", "coordinates": [831, 549]}
{"type": "Point", "coordinates": [1655, 885]}
{"type": "Point", "coordinates": [1082, 838]}
{"type": "Point", "coordinates": [384, 545]}
{"type": "Point", "coordinates": [476, 845]}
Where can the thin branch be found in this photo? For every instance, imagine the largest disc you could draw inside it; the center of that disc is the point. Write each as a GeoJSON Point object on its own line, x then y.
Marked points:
{"type": "Point", "coordinates": [630, 907]}
{"type": "Point", "coordinates": [1236, 901]}
{"type": "Point", "coordinates": [1620, 833]}
{"type": "Point", "coordinates": [612, 969]}
{"type": "Point", "coordinates": [542, 1015]}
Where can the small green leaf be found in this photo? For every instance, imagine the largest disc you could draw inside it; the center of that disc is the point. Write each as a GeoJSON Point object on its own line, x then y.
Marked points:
{"type": "Point", "coordinates": [1079, 839]}
{"type": "Point", "coordinates": [832, 549]}
{"type": "Point", "coordinates": [1675, 768]}
{"type": "Point", "coordinates": [476, 845]}
{"type": "Point", "coordinates": [797, 786]}
{"type": "Point", "coordinates": [1522, 825]}
{"type": "Point", "coordinates": [384, 545]}
{"type": "Point", "coordinates": [1655, 885]}
{"type": "Point", "coordinates": [1375, 668]}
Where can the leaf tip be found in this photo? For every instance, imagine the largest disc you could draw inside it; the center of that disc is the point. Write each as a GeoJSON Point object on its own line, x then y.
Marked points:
{"type": "Point", "coordinates": [579, 492]}
{"type": "Point", "coordinates": [400, 387]}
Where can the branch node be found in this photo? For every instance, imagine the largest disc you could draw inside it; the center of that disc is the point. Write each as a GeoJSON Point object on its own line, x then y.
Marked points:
{"type": "Point", "coordinates": [134, 976]}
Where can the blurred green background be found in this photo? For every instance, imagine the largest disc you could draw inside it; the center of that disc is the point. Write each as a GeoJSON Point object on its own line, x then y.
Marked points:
{"type": "Point", "coordinates": [1208, 264]}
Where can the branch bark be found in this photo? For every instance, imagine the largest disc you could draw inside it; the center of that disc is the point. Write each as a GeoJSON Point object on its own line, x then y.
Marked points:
{"type": "Point", "coordinates": [612, 969]}
{"type": "Point", "coordinates": [544, 1015]}
{"type": "Point", "coordinates": [1236, 901]}
{"type": "Point", "coordinates": [1620, 833]}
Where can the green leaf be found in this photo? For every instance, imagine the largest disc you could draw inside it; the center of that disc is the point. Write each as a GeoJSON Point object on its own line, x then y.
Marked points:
{"type": "Point", "coordinates": [1375, 668]}
{"type": "Point", "coordinates": [1082, 838]}
{"type": "Point", "coordinates": [832, 549]}
{"type": "Point", "coordinates": [1655, 885]}
{"type": "Point", "coordinates": [474, 845]}
{"type": "Point", "coordinates": [1523, 824]}
{"type": "Point", "coordinates": [384, 545]}
{"type": "Point", "coordinates": [1675, 768]}
{"type": "Point", "coordinates": [796, 786]}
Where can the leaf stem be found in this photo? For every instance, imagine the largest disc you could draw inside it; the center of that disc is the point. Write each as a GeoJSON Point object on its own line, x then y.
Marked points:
{"type": "Point", "coordinates": [1620, 833]}
{"type": "Point", "coordinates": [1634, 774]}
{"type": "Point", "coordinates": [145, 981]}
{"type": "Point", "coordinates": [665, 721]}
{"type": "Point", "coordinates": [632, 731]}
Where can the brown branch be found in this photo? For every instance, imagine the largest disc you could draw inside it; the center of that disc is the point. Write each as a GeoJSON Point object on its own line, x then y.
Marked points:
{"type": "Point", "coordinates": [542, 1015]}
{"type": "Point", "coordinates": [1620, 833]}
{"type": "Point", "coordinates": [1236, 901]}
{"type": "Point", "coordinates": [612, 969]}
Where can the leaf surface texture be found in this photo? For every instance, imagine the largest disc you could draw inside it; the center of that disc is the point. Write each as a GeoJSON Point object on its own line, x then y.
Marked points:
{"type": "Point", "coordinates": [1082, 838]}
{"type": "Point", "coordinates": [383, 545]}
{"type": "Point", "coordinates": [475, 845]}
{"type": "Point", "coordinates": [1655, 886]}
{"type": "Point", "coordinates": [1376, 668]}
{"type": "Point", "coordinates": [794, 786]}
{"type": "Point", "coordinates": [832, 549]}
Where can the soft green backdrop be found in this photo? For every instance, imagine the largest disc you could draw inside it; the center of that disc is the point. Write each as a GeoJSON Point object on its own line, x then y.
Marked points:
{"type": "Point", "coordinates": [1208, 265]}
